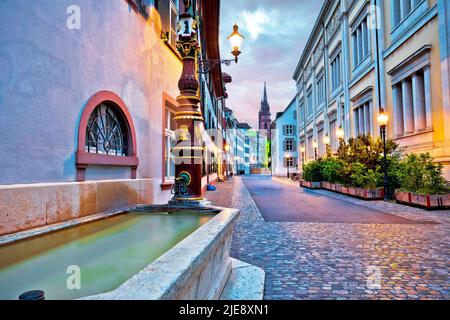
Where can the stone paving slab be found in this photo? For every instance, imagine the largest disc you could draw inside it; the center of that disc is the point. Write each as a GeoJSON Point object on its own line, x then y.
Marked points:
{"type": "Point", "coordinates": [246, 282]}
{"type": "Point", "coordinates": [342, 261]}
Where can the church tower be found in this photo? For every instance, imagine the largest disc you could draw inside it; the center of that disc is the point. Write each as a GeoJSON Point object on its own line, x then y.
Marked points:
{"type": "Point", "coordinates": [264, 114]}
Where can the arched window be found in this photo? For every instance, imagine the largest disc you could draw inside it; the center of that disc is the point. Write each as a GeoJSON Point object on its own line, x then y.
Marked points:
{"type": "Point", "coordinates": [107, 131]}
{"type": "Point", "coordinates": [106, 135]}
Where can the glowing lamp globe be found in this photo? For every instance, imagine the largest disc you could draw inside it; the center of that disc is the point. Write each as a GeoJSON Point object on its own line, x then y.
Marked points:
{"type": "Point", "coordinates": [383, 118]}
{"type": "Point", "coordinates": [340, 133]}
{"type": "Point", "coordinates": [236, 39]}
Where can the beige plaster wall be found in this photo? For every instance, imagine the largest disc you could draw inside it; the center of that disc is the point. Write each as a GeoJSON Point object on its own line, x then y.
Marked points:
{"type": "Point", "coordinates": [24, 207]}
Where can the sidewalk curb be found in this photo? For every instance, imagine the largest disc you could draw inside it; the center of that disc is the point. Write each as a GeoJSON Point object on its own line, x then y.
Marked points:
{"type": "Point", "coordinates": [286, 181]}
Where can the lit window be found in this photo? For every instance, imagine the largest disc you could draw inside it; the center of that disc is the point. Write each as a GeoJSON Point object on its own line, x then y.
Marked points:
{"type": "Point", "coordinates": [289, 162]}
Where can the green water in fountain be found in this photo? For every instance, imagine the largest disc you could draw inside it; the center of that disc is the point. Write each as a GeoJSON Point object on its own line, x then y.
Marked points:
{"type": "Point", "coordinates": [108, 253]}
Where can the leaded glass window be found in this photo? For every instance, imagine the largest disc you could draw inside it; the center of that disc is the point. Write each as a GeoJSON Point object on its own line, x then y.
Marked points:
{"type": "Point", "coordinates": [107, 131]}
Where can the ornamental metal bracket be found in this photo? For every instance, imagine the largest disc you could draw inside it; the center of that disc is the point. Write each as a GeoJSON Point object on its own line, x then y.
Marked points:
{"type": "Point", "coordinates": [205, 66]}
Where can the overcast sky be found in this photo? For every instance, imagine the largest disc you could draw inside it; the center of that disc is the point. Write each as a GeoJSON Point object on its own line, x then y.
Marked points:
{"type": "Point", "coordinates": [276, 32]}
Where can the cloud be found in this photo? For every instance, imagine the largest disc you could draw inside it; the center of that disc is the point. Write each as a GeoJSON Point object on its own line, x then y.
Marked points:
{"type": "Point", "coordinates": [256, 22]}
{"type": "Point", "coordinates": [276, 32]}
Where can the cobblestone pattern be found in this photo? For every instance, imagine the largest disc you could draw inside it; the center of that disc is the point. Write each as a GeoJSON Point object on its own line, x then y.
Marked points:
{"type": "Point", "coordinates": [334, 261]}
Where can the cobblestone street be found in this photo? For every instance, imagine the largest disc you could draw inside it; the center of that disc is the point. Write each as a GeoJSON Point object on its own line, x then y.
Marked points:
{"type": "Point", "coordinates": [311, 260]}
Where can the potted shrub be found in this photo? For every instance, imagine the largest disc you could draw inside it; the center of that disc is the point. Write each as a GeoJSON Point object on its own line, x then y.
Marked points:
{"type": "Point", "coordinates": [366, 182]}
{"type": "Point", "coordinates": [312, 176]}
{"type": "Point", "coordinates": [422, 182]}
{"type": "Point", "coordinates": [331, 172]}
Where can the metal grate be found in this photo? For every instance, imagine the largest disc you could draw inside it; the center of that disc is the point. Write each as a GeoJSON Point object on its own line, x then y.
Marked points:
{"type": "Point", "coordinates": [107, 132]}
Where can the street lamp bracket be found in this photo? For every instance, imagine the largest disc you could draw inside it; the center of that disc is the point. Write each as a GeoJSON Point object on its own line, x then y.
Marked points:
{"type": "Point", "coordinates": [205, 66]}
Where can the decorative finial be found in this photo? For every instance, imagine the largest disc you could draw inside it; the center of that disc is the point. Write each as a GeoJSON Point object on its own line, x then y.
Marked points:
{"type": "Point", "coordinates": [187, 4]}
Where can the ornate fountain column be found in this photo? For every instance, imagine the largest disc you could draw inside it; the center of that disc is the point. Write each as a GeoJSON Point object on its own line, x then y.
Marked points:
{"type": "Point", "coordinates": [188, 153]}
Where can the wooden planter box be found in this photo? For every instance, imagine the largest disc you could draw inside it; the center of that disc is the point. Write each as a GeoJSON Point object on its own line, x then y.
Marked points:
{"type": "Point", "coordinates": [326, 185]}
{"type": "Point", "coordinates": [404, 197]}
{"type": "Point", "coordinates": [310, 185]}
{"type": "Point", "coordinates": [366, 194]}
{"type": "Point", "coordinates": [360, 192]}
{"type": "Point", "coordinates": [377, 194]}
{"type": "Point", "coordinates": [352, 191]}
{"type": "Point", "coordinates": [369, 194]}
{"type": "Point", "coordinates": [424, 201]}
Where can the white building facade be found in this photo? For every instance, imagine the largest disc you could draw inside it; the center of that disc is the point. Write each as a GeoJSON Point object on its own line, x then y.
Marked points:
{"type": "Point", "coordinates": [285, 141]}
{"type": "Point", "coordinates": [366, 55]}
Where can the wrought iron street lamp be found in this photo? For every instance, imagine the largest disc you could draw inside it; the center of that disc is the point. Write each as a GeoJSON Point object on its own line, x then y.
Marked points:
{"type": "Point", "coordinates": [315, 146]}
{"type": "Point", "coordinates": [236, 40]}
{"type": "Point", "coordinates": [287, 156]}
{"type": "Point", "coordinates": [326, 140]}
{"type": "Point", "coordinates": [327, 143]}
{"type": "Point", "coordinates": [383, 118]}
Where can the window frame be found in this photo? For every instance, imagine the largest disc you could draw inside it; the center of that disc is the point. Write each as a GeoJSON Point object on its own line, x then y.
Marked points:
{"type": "Point", "coordinates": [357, 24]}
{"type": "Point", "coordinates": [83, 158]}
{"type": "Point", "coordinates": [169, 103]}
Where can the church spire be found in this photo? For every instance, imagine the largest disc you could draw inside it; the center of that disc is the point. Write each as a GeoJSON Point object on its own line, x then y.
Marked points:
{"type": "Point", "coordinates": [264, 99]}
{"type": "Point", "coordinates": [264, 112]}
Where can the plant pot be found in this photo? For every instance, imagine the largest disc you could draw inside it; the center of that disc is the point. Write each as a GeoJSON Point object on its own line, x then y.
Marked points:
{"type": "Point", "coordinates": [446, 200]}
{"type": "Point", "coordinates": [374, 194]}
{"type": "Point", "coordinates": [433, 201]}
{"type": "Point", "coordinates": [326, 185]}
{"type": "Point", "coordinates": [306, 184]}
{"type": "Point", "coordinates": [352, 191]}
{"type": "Point", "coordinates": [310, 185]}
{"type": "Point", "coordinates": [404, 197]}
{"type": "Point", "coordinates": [360, 192]}
{"type": "Point", "coordinates": [420, 200]}
{"type": "Point", "coordinates": [316, 185]}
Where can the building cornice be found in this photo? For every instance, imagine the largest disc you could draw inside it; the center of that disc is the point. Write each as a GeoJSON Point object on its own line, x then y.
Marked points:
{"type": "Point", "coordinates": [327, 5]}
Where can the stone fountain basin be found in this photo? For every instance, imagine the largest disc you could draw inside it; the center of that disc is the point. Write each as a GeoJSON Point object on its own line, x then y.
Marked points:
{"type": "Point", "coordinates": [197, 268]}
